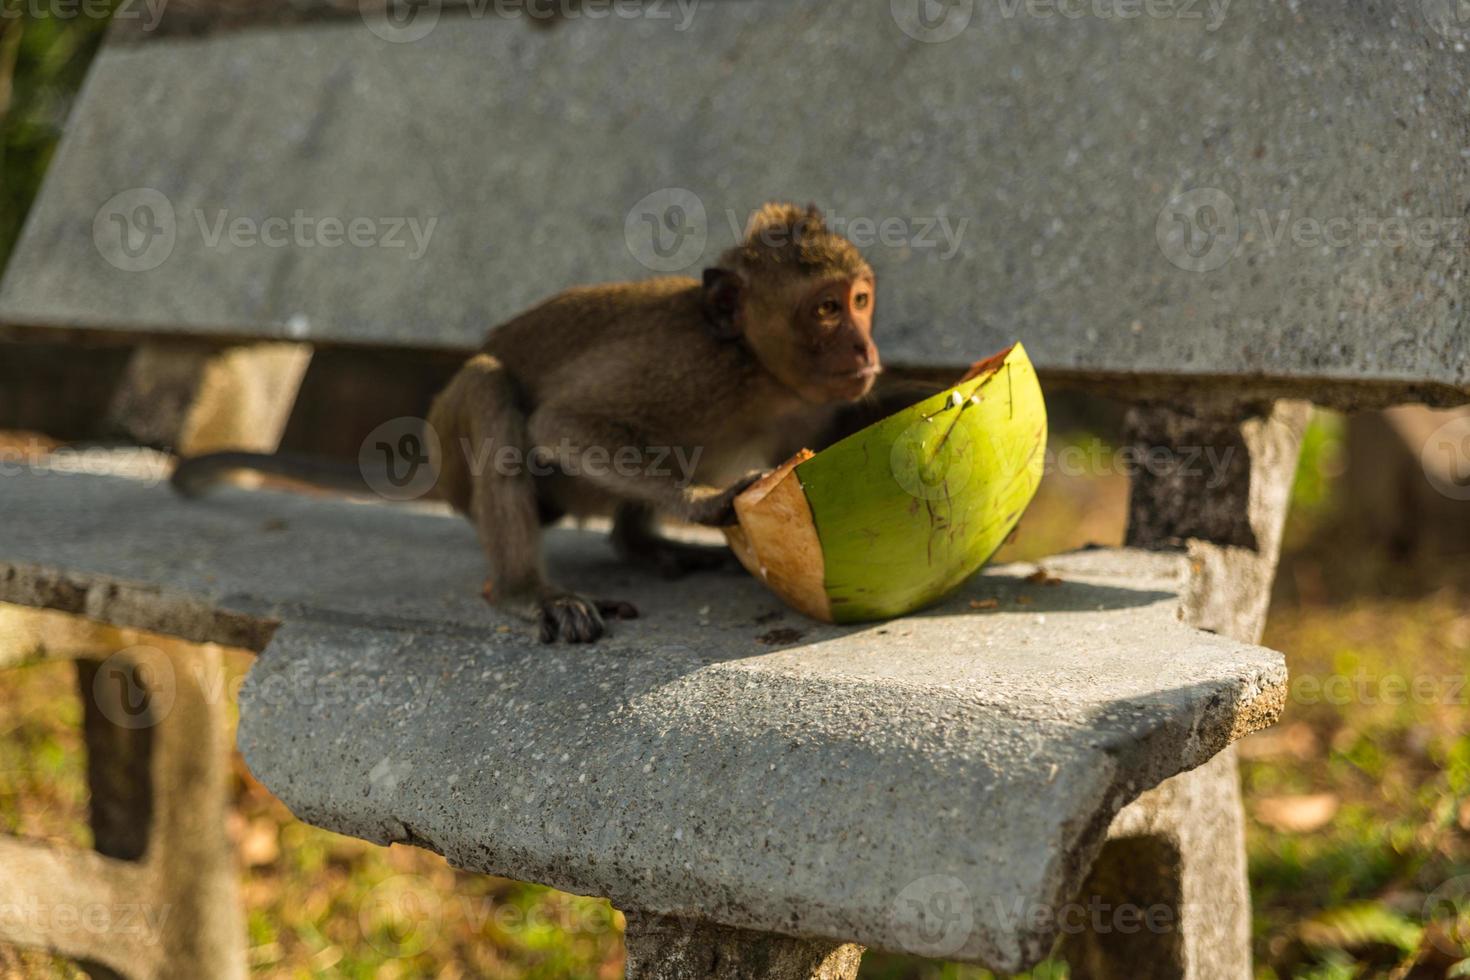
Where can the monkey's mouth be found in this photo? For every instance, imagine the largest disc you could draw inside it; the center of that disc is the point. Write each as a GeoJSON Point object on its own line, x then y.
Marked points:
{"type": "Point", "coordinates": [855, 384]}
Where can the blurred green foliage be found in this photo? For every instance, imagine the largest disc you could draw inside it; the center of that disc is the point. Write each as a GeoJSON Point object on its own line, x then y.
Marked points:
{"type": "Point", "coordinates": [1320, 464]}
{"type": "Point", "coordinates": [45, 47]}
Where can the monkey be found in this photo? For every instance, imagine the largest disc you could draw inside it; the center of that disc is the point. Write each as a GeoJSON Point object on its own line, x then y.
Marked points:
{"type": "Point", "coordinates": [724, 369]}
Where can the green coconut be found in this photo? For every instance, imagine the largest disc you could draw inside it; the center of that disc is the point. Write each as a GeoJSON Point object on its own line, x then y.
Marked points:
{"type": "Point", "coordinates": [898, 515]}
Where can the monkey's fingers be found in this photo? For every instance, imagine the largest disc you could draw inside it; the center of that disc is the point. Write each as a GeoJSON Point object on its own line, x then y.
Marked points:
{"type": "Point", "coordinates": [572, 619]}
{"type": "Point", "coordinates": [719, 509]}
{"type": "Point", "coordinates": [617, 609]}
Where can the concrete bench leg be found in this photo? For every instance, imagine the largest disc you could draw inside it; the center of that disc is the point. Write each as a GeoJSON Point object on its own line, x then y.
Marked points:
{"type": "Point", "coordinates": [160, 796]}
{"type": "Point", "coordinates": [666, 948]}
{"type": "Point", "coordinates": [1218, 486]}
{"type": "Point", "coordinates": [1167, 897]}
{"type": "Point", "coordinates": [156, 898]}
{"type": "Point", "coordinates": [197, 398]}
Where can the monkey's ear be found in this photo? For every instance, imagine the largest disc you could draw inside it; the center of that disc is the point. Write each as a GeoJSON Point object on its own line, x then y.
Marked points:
{"type": "Point", "coordinates": [724, 292]}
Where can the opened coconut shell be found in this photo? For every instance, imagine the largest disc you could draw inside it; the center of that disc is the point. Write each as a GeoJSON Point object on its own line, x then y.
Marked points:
{"type": "Point", "coordinates": [898, 515]}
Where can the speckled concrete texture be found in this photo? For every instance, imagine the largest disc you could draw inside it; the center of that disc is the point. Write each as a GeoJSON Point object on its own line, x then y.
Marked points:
{"type": "Point", "coordinates": [721, 758]}
{"type": "Point", "coordinates": [1249, 190]}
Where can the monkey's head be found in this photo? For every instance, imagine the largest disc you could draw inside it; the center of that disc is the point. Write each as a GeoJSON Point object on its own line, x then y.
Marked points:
{"type": "Point", "coordinates": [800, 296]}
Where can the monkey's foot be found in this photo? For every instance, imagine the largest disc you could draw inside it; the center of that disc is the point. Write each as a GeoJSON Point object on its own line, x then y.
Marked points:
{"type": "Point", "coordinates": [571, 618]}
{"type": "Point", "coordinates": [675, 559]}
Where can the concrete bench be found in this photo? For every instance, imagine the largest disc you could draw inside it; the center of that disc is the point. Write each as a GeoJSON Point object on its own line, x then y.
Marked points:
{"type": "Point", "coordinates": [844, 782]}
{"type": "Point", "coordinates": [955, 784]}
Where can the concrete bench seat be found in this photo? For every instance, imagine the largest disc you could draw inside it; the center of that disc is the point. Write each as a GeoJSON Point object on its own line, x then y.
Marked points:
{"type": "Point", "coordinates": [721, 757]}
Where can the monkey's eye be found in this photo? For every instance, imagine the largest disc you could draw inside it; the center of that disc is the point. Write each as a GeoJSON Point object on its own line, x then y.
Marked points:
{"type": "Point", "coordinates": [828, 309]}
{"type": "Point", "coordinates": [860, 301]}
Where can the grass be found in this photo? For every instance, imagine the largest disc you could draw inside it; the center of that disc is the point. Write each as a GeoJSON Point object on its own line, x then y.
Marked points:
{"type": "Point", "coordinates": [1359, 800]}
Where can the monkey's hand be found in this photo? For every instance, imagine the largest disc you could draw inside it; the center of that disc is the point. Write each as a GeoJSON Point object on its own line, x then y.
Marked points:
{"type": "Point", "coordinates": [717, 509]}
{"type": "Point", "coordinates": [571, 618]}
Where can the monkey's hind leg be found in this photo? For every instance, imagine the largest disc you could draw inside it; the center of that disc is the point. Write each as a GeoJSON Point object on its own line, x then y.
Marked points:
{"type": "Point", "coordinates": [475, 417]}
{"type": "Point", "coordinates": [636, 539]}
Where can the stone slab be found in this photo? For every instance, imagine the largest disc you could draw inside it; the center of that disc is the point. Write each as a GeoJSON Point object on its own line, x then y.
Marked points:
{"type": "Point", "coordinates": [720, 758]}
{"type": "Point", "coordinates": [1206, 191]}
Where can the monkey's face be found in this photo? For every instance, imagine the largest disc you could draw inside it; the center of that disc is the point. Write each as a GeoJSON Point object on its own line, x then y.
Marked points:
{"type": "Point", "coordinates": [811, 326]}
{"type": "Point", "coordinates": [834, 356]}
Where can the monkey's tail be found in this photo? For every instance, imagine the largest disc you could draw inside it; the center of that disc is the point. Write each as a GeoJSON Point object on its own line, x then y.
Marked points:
{"type": "Point", "coordinates": [194, 476]}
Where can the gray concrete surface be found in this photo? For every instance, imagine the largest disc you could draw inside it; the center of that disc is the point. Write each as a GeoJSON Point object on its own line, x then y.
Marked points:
{"type": "Point", "coordinates": [1216, 191]}
{"type": "Point", "coordinates": [720, 758]}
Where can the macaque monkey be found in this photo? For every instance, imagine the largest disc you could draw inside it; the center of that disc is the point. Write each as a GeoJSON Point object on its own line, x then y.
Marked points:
{"type": "Point", "coordinates": [594, 383]}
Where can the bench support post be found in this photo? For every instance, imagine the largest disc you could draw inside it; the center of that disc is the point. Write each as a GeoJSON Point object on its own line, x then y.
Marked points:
{"type": "Point", "coordinates": [197, 398]}
{"type": "Point", "coordinates": [160, 877]}
{"type": "Point", "coordinates": [1216, 479]}
{"type": "Point", "coordinates": [667, 948]}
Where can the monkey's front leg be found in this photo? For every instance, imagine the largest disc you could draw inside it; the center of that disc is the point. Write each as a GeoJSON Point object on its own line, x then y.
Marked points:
{"type": "Point", "coordinates": [508, 519]}
{"type": "Point", "coordinates": [480, 410]}
{"type": "Point", "coordinates": [506, 515]}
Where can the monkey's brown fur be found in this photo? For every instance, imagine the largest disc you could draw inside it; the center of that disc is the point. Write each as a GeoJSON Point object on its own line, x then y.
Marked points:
{"type": "Point", "coordinates": [731, 367]}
